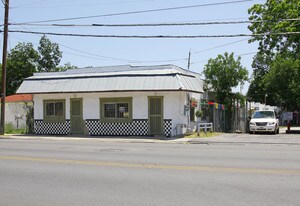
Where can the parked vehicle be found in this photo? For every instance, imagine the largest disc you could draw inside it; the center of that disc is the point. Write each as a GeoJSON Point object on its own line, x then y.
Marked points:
{"type": "Point", "coordinates": [264, 121]}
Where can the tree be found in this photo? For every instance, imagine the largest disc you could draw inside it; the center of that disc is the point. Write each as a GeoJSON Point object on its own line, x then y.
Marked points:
{"type": "Point", "coordinates": [274, 16]}
{"type": "Point", "coordinates": [223, 73]}
{"type": "Point", "coordinates": [21, 63]}
{"type": "Point", "coordinates": [23, 60]}
{"type": "Point", "coordinates": [50, 55]}
{"type": "Point", "coordinates": [66, 66]}
{"type": "Point", "coordinates": [261, 66]}
{"type": "Point", "coordinates": [284, 80]}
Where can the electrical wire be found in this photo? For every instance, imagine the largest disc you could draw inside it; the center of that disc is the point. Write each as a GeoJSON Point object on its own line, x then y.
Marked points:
{"type": "Point", "coordinates": [78, 5]}
{"type": "Point", "coordinates": [154, 36]}
{"type": "Point", "coordinates": [30, 3]}
{"type": "Point", "coordinates": [216, 47]}
{"type": "Point", "coordinates": [156, 24]}
{"type": "Point", "coordinates": [105, 58]}
{"type": "Point", "coordinates": [95, 55]}
{"type": "Point", "coordinates": [237, 55]}
{"type": "Point", "coordinates": [141, 11]}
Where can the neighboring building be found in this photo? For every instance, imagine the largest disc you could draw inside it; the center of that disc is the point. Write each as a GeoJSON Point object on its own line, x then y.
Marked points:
{"type": "Point", "coordinates": [114, 100]}
{"type": "Point", "coordinates": [16, 109]}
{"type": "Point", "coordinates": [260, 106]}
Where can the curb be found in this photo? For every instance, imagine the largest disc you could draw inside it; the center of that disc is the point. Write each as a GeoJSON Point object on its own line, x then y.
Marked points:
{"type": "Point", "coordinates": [95, 139]}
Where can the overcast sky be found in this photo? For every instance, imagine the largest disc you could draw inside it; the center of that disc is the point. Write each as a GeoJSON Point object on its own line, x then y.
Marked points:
{"type": "Point", "coordinates": [88, 51]}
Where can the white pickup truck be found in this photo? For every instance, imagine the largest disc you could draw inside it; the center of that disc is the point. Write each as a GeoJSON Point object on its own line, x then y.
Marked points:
{"type": "Point", "coordinates": [264, 121]}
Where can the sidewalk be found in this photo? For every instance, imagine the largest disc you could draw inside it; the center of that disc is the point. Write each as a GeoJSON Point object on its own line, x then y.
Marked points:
{"type": "Point", "coordinates": [243, 138]}
{"type": "Point", "coordinates": [225, 138]}
{"type": "Point", "coordinates": [293, 130]}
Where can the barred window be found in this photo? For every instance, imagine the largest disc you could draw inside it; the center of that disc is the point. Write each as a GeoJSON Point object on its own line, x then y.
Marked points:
{"type": "Point", "coordinates": [116, 109]}
{"type": "Point", "coordinates": [109, 110]}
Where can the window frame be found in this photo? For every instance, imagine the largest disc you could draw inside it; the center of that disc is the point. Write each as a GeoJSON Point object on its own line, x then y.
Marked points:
{"type": "Point", "coordinates": [115, 101]}
{"type": "Point", "coordinates": [54, 118]}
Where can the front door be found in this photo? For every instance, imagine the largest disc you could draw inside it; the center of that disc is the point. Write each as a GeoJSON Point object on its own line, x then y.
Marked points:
{"type": "Point", "coordinates": [155, 105]}
{"type": "Point", "coordinates": [76, 116]}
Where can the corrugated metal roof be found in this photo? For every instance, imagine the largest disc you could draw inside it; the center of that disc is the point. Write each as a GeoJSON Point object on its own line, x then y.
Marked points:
{"type": "Point", "coordinates": [117, 78]}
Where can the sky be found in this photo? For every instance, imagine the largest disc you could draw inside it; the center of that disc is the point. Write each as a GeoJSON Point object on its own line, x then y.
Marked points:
{"type": "Point", "coordinates": [88, 51]}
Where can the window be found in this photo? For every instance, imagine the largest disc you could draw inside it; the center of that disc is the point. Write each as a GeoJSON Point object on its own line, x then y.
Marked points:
{"type": "Point", "coordinates": [54, 111]}
{"type": "Point", "coordinates": [264, 114]}
{"type": "Point", "coordinates": [116, 109]}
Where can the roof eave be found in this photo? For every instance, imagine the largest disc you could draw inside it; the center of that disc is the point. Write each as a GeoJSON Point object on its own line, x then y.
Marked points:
{"type": "Point", "coordinates": [107, 91]}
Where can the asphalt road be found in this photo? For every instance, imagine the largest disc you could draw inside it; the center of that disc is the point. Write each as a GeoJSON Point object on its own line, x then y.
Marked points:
{"type": "Point", "coordinates": [90, 172]}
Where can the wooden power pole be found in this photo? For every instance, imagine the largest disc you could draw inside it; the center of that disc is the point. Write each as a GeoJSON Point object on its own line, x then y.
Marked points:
{"type": "Point", "coordinates": [3, 88]}
{"type": "Point", "coordinates": [189, 60]}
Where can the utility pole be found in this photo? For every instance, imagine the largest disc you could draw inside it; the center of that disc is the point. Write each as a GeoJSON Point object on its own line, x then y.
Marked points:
{"type": "Point", "coordinates": [266, 95]}
{"type": "Point", "coordinates": [189, 60]}
{"type": "Point", "coordinates": [3, 89]}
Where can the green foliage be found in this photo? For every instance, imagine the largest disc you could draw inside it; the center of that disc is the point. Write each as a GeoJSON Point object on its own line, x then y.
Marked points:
{"type": "Point", "coordinates": [23, 60]}
{"type": "Point", "coordinates": [67, 66]}
{"type": "Point", "coordinates": [199, 113]}
{"type": "Point", "coordinates": [223, 73]}
{"type": "Point", "coordinates": [260, 65]}
{"type": "Point", "coordinates": [284, 80]}
{"type": "Point", "coordinates": [21, 63]}
{"type": "Point", "coordinates": [50, 55]}
{"type": "Point", "coordinates": [205, 110]}
{"type": "Point", "coordinates": [272, 12]}
{"type": "Point", "coordinates": [241, 99]}
{"type": "Point", "coordinates": [9, 129]}
{"type": "Point", "coordinates": [276, 51]}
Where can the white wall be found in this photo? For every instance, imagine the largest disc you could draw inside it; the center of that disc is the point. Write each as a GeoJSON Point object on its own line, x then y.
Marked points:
{"type": "Point", "coordinates": [173, 104]}
{"type": "Point", "coordinates": [15, 113]}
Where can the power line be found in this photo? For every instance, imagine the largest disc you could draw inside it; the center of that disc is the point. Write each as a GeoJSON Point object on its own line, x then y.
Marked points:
{"type": "Point", "coordinates": [237, 55]}
{"type": "Point", "coordinates": [106, 58]}
{"type": "Point", "coordinates": [204, 50]}
{"type": "Point", "coordinates": [141, 11]}
{"type": "Point", "coordinates": [29, 3]}
{"type": "Point", "coordinates": [154, 36]}
{"type": "Point", "coordinates": [156, 24]}
{"type": "Point", "coordinates": [76, 5]}
{"type": "Point", "coordinates": [119, 59]}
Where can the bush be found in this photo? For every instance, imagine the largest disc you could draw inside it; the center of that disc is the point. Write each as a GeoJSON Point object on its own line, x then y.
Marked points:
{"type": "Point", "coordinates": [9, 129]}
{"type": "Point", "coordinates": [199, 113]}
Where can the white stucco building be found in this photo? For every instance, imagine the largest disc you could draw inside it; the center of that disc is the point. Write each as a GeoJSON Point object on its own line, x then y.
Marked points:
{"type": "Point", "coordinates": [114, 100]}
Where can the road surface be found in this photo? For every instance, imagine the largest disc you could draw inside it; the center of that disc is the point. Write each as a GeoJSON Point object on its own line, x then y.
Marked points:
{"type": "Point", "coordinates": [90, 172]}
